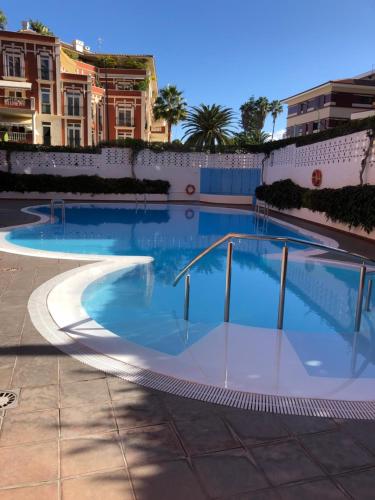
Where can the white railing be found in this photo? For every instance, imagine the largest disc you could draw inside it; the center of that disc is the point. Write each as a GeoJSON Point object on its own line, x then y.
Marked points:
{"type": "Point", "coordinates": [17, 136]}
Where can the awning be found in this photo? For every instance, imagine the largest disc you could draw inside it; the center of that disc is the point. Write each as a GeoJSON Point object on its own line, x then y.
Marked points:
{"type": "Point", "coordinates": [27, 125]}
{"type": "Point", "coordinates": [12, 84]}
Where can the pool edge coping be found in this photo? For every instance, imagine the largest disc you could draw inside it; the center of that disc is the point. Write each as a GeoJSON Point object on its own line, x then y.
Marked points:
{"type": "Point", "coordinates": [306, 406]}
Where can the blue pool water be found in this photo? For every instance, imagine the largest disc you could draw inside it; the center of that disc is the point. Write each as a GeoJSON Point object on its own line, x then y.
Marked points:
{"type": "Point", "coordinates": [143, 307]}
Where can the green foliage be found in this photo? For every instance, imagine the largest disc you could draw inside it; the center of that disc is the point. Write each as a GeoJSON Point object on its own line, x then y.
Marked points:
{"type": "Point", "coordinates": [3, 20]}
{"type": "Point", "coordinates": [40, 28]}
{"type": "Point", "coordinates": [71, 53]}
{"type": "Point", "coordinates": [21, 146]}
{"type": "Point", "coordinates": [142, 85]}
{"type": "Point", "coordinates": [254, 113]}
{"type": "Point", "coordinates": [283, 194]}
{"type": "Point", "coordinates": [208, 126]}
{"type": "Point", "coordinates": [170, 106]}
{"type": "Point", "coordinates": [244, 139]}
{"type": "Point", "coordinates": [275, 108]}
{"type": "Point", "coordinates": [80, 184]}
{"type": "Point", "coordinates": [229, 148]}
{"type": "Point", "coordinates": [121, 62]}
{"type": "Point", "coordinates": [350, 205]}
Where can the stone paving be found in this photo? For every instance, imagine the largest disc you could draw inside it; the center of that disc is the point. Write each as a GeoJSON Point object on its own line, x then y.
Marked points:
{"type": "Point", "coordinates": [79, 434]}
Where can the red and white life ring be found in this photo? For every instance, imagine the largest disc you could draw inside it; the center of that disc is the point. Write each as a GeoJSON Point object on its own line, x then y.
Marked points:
{"type": "Point", "coordinates": [190, 189]}
{"type": "Point", "coordinates": [317, 177]}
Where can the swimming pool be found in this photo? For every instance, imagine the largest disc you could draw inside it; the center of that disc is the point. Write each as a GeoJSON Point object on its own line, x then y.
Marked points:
{"type": "Point", "coordinates": [139, 313]}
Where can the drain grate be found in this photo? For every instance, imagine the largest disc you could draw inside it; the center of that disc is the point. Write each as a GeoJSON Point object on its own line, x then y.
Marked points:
{"type": "Point", "coordinates": [8, 399]}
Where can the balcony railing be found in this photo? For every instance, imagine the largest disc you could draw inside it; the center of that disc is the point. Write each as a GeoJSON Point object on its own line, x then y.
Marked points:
{"type": "Point", "coordinates": [21, 103]}
{"type": "Point", "coordinates": [73, 110]}
{"type": "Point", "coordinates": [124, 123]}
{"type": "Point", "coordinates": [20, 137]}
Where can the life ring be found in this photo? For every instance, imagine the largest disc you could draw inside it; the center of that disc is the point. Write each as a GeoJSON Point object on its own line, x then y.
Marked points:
{"type": "Point", "coordinates": [190, 189]}
{"type": "Point", "coordinates": [189, 213]}
{"type": "Point", "coordinates": [316, 177]}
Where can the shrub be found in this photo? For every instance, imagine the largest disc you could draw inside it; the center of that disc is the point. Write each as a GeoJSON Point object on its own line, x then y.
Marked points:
{"type": "Point", "coordinates": [350, 205]}
{"type": "Point", "coordinates": [282, 194]}
{"type": "Point", "coordinates": [93, 184]}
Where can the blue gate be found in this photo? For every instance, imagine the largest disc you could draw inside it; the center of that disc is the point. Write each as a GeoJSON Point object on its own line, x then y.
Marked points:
{"type": "Point", "coordinates": [230, 181]}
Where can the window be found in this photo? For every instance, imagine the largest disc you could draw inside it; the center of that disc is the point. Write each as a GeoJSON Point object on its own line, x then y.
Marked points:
{"type": "Point", "coordinates": [363, 99]}
{"type": "Point", "coordinates": [13, 65]}
{"type": "Point", "coordinates": [73, 104]}
{"type": "Point", "coordinates": [125, 117]}
{"type": "Point", "coordinates": [124, 85]}
{"type": "Point", "coordinates": [100, 118]}
{"type": "Point", "coordinates": [74, 135]}
{"type": "Point", "coordinates": [46, 133]}
{"type": "Point", "coordinates": [46, 101]}
{"type": "Point", "coordinates": [44, 68]}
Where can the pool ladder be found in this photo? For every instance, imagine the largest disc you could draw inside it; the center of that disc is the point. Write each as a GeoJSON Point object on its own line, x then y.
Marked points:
{"type": "Point", "coordinates": [283, 273]}
{"type": "Point", "coordinates": [55, 204]}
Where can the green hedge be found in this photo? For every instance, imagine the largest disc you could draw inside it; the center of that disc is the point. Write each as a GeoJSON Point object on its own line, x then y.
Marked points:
{"type": "Point", "coordinates": [35, 148]}
{"type": "Point", "coordinates": [350, 205]}
{"type": "Point", "coordinates": [137, 144]}
{"type": "Point", "coordinates": [80, 184]}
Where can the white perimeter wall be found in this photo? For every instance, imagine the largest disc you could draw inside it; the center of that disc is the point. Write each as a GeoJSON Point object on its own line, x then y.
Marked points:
{"type": "Point", "coordinates": [339, 160]}
{"type": "Point", "coordinates": [180, 169]}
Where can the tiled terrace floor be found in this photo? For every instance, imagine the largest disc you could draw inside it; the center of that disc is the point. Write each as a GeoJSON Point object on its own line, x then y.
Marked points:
{"type": "Point", "coordinates": [79, 434]}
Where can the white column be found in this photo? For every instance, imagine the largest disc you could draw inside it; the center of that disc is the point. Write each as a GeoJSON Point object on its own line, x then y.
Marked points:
{"type": "Point", "coordinates": [89, 114]}
{"type": "Point", "coordinates": [33, 127]}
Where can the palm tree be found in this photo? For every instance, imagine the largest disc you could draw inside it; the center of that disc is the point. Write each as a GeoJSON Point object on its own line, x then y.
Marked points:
{"type": "Point", "coordinates": [170, 106]}
{"type": "Point", "coordinates": [275, 108]}
{"type": "Point", "coordinates": [3, 20]}
{"type": "Point", "coordinates": [208, 126]}
{"type": "Point", "coordinates": [40, 28]}
{"type": "Point", "coordinates": [254, 113]}
{"type": "Point", "coordinates": [263, 110]}
{"type": "Point", "coordinates": [242, 139]}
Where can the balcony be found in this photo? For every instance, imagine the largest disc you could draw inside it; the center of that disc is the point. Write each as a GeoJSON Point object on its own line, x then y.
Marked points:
{"type": "Point", "coordinates": [20, 137]}
{"type": "Point", "coordinates": [17, 103]}
{"type": "Point", "coordinates": [73, 110]}
{"type": "Point", "coordinates": [124, 123]}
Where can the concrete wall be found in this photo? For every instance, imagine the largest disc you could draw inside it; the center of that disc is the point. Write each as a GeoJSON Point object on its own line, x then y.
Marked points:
{"type": "Point", "coordinates": [339, 160]}
{"type": "Point", "coordinates": [321, 218]}
{"type": "Point", "coordinates": [180, 169]}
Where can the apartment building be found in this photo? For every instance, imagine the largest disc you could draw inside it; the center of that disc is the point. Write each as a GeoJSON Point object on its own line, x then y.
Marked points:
{"type": "Point", "coordinates": [330, 104]}
{"type": "Point", "coordinates": [55, 93]}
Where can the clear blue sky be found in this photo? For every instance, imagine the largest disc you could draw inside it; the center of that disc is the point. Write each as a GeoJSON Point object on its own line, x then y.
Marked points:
{"type": "Point", "coordinates": [220, 51]}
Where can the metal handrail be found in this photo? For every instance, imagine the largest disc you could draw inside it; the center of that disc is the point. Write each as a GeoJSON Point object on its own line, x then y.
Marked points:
{"type": "Point", "coordinates": [284, 266]}
{"type": "Point", "coordinates": [280, 239]}
{"type": "Point", "coordinates": [53, 205]}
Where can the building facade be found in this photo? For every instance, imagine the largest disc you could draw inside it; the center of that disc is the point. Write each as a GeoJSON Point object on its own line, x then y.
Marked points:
{"type": "Point", "coordinates": [330, 104]}
{"type": "Point", "coordinates": [54, 93]}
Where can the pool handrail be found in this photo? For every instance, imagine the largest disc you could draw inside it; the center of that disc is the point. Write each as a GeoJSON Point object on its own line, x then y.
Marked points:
{"type": "Point", "coordinates": [284, 263]}
{"type": "Point", "coordinates": [280, 239]}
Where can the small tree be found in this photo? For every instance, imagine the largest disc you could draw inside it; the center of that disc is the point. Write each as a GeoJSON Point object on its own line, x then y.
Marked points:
{"type": "Point", "coordinates": [170, 106]}
{"type": "Point", "coordinates": [3, 20]}
{"type": "Point", "coordinates": [40, 28]}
